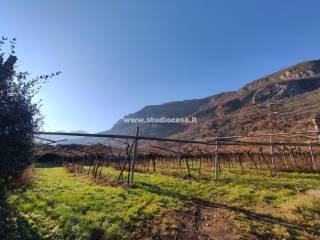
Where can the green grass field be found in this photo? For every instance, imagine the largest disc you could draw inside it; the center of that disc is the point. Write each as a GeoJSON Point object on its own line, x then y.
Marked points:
{"type": "Point", "coordinates": [61, 205]}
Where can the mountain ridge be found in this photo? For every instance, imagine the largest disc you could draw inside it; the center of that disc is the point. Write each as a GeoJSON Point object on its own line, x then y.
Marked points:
{"type": "Point", "coordinates": [235, 112]}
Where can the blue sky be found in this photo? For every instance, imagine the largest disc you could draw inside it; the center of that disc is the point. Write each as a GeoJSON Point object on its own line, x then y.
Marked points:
{"type": "Point", "coordinates": [118, 56]}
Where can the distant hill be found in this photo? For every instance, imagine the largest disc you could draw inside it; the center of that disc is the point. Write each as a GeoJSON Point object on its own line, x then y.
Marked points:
{"type": "Point", "coordinates": [295, 88]}
{"type": "Point", "coordinates": [68, 139]}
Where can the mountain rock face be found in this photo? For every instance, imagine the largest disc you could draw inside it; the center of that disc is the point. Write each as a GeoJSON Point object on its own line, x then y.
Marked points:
{"type": "Point", "coordinates": [295, 90]}
{"type": "Point", "coordinates": [179, 109]}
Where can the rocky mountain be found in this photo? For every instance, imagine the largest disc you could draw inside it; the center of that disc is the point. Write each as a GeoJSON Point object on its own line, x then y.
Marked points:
{"type": "Point", "coordinates": [295, 91]}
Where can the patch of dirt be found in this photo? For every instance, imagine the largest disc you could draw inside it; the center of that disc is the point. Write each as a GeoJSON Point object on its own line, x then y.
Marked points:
{"type": "Point", "coordinates": [200, 223]}
{"type": "Point", "coordinates": [208, 223]}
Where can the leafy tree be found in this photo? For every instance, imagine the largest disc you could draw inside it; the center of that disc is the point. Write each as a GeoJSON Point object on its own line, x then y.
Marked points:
{"type": "Point", "coordinates": [19, 115]}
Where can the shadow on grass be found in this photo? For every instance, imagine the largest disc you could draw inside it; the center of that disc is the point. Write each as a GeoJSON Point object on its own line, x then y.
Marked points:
{"type": "Point", "coordinates": [305, 176]}
{"type": "Point", "coordinates": [250, 215]}
{"type": "Point", "coordinates": [12, 224]}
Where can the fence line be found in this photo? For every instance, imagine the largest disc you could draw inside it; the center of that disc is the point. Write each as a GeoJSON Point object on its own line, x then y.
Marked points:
{"type": "Point", "coordinates": [222, 140]}
{"type": "Point", "coordinates": [215, 158]}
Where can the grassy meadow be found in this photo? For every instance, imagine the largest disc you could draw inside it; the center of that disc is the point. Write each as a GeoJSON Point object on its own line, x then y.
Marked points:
{"type": "Point", "coordinates": [61, 205]}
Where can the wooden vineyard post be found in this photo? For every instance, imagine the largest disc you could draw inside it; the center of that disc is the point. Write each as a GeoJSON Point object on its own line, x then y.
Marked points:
{"type": "Point", "coordinates": [212, 159]}
{"type": "Point", "coordinates": [285, 158]}
{"type": "Point", "coordinates": [188, 166]}
{"type": "Point", "coordinates": [312, 157]}
{"type": "Point", "coordinates": [133, 158]}
{"type": "Point", "coordinates": [179, 160]}
{"type": "Point", "coordinates": [200, 164]}
{"type": "Point", "coordinates": [273, 172]}
{"type": "Point", "coordinates": [216, 161]}
{"type": "Point", "coordinates": [127, 159]}
{"type": "Point", "coordinates": [154, 163]}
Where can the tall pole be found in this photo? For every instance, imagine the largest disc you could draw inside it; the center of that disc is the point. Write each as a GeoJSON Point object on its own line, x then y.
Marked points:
{"type": "Point", "coordinates": [273, 108]}
{"type": "Point", "coordinates": [312, 157]}
{"type": "Point", "coordinates": [285, 158]}
{"type": "Point", "coordinates": [273, 172]}
{"type": "Point", "coordinates": [216, 161]}
{"type": "Point", "coordinates": [179, 160]}
{"type": "Point", "coordinates": [134, 156]}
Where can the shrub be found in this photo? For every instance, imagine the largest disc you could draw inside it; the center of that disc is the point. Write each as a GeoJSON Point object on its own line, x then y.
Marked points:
{"type": "Point", "coordinates": [19, 115]}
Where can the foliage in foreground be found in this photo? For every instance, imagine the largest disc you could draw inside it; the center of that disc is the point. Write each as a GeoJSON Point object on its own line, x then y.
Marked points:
{"type": "Point", "coordinates": [19, 115]}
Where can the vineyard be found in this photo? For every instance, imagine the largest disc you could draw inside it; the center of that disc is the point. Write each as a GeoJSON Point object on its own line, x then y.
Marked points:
{"type": "Point", "coordinates": [189, 159]}
{"type": "Point", "coordinates": [258, 186]}
{"type": "Point", "coordinates": [89, 198]}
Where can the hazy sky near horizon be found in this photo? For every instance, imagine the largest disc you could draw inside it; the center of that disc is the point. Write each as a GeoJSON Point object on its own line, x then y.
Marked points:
{"type": "Point", "coordinates": [116, 56]}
